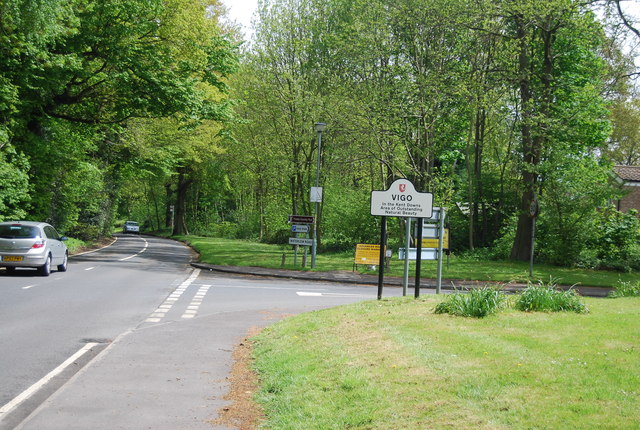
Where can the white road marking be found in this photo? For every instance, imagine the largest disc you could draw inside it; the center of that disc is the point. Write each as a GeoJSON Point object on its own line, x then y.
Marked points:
{"type": "Point", "coordinates": [26, 394]}
{"type": "Point", "coordinates": [166, 306]}
{"type": "Point", "coordinates": [251, 287]}
{"type": "Point", "coordinates": [146, 245]}
{"type": "Point", "coordinates": [90, 268]}
{"type": "Point", "coordinates": [27, 287]}
{"type": "Point", "coordinates": [310, 294]}
{"type": "Point", "coordinates": [194, 306]}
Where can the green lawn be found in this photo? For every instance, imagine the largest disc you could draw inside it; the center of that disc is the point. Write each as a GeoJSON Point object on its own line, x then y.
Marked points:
{"type": "Point", "coordinates": [394, 364]}
{"type": "Point", "coordinates": [244, 253]}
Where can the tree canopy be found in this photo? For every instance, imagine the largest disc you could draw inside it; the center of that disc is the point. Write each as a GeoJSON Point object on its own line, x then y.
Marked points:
{"type": "Point", "coordinates": [156, 111]}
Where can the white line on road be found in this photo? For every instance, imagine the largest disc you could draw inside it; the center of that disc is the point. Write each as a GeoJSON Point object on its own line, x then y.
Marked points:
{"type": "Point", "coordinates": [95, 250]}
{"type": "Point", "coordinates": [166, 306]}
{"type": "Point", "coordinates": [146, 245]}
{"type": "Point", "coordinates": [90, 268]}
{"type": "Point", "coordinates": [310, 294]}
{"type": "Point", "coordinates": [27, 287]}
{"type": "Point", "coordinates": [194, 306]}
{"type": "Point", "coordinates": [41, 383]}
{"type": "Point", "coordinates": [251, 287]}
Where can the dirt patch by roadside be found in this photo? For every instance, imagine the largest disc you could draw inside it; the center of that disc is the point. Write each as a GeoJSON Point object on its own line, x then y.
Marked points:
{"type": "Point", "coordinates": [243, 413]}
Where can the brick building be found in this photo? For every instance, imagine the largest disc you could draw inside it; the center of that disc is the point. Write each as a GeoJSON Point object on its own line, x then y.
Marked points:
{"type": "Point", "coordinates": [630, 180]}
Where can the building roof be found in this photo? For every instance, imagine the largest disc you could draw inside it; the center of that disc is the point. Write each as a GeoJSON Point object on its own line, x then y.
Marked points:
{"type": "Point", "coordinates": [628, 173]}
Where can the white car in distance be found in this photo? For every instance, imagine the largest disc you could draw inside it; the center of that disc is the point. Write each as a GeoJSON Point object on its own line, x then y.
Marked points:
{"type": "Point", "coordinates": [131, 227]}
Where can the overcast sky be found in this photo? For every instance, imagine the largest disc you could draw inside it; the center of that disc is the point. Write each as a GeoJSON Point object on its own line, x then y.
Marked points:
{"type": "Point", "coordinates": [241, 12]}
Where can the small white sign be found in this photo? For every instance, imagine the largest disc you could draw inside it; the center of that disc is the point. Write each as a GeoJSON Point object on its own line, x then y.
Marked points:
{"type": "Point", "coordinates": [427, 254]}
{"type": "Point", "coordinates": [300, 241]}
{"type": "Point", "coordinates": [435, 216]}
{"type": "Point", "coordinates": [430, 231]}
{"type": "Point", "coordinates": [316, 195]}
{"type": "Point", "coordinates": [402, 200]}
{"type": "Point", "coordinates": [296, 228]}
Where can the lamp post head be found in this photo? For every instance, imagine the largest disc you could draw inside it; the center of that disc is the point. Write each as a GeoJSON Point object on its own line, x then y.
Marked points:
{"type": "Point", "coordinates": [320, 126]}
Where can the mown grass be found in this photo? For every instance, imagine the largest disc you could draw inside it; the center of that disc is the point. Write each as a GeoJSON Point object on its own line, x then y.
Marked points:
{"type": "Point", "coordinates": [244, 253]}
{"type": "Point", "coordinates": [395, 364]}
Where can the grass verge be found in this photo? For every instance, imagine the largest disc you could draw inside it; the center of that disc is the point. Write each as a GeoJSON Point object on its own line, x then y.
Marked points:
{"type": "Point", "coordinates": [394, 364]}
{"type": "Point", "coordinates": [231, 252]}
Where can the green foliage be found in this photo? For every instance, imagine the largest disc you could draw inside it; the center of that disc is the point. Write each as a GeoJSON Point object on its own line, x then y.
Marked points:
{"type": "Point", "coordinates": [614, 243]}
{"type": "Point", "coordinates": [569, 210]}
{"type": "Point", "coordinates": [14, 184]}
{"type": "Point", "coordinates": [547, 298]}
{"type": "Point", "coordinates": [477, 303]}
{"type": "Point", "coordinates": [626, 289]}
{"type": "Point", "coordinates": [347, 220]}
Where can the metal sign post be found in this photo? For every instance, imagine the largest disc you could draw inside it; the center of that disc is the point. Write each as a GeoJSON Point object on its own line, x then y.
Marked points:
{"type": "Point", "coordinates": [296, 241]}
{"type": "Point", "coordinates": [534, 209]}
{"type": "Point", "coordinates": [383, 234]}
{"type": "Point", "coordinates": [418, 258]}
{"type": "Point", "coordinates": [440, 246]}
{"type": "Point", "coordinates": [407, 244]}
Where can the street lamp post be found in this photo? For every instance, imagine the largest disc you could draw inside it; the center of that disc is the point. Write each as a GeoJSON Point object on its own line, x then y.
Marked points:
{"type": "Point", "coordinates": [320, 126]}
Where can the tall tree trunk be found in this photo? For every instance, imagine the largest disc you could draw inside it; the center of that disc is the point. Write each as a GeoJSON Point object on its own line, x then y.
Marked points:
{"type": "Point", "coordinates": [180, 227]}
{"type": "Point", "coordinates": [532, 142]}
{"type": "Point", "coordinates": [169, 204]}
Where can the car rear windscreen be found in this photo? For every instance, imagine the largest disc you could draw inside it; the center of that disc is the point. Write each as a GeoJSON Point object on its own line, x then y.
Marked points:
{"type": "Point", "coordinates": [18, 232]}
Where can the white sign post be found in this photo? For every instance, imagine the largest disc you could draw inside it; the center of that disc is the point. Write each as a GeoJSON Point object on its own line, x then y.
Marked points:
{"type": "Point", "coordinates": [400, 200]}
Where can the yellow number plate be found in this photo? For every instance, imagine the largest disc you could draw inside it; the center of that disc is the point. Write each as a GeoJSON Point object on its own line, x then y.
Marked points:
{"type": "Point", "coordinates": [11, 258]}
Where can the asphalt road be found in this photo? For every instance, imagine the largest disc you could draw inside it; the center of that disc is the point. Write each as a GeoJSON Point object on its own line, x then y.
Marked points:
{"type": "Point", "coordinates": [160, 335]}
{"type": "Point", "coordinates": [45, 320]}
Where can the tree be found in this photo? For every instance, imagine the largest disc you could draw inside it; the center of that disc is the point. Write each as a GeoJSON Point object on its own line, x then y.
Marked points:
{"type": "Point", "coordinates": [86, 68]}
{"type": "Point", "coordinates": [545, 33]}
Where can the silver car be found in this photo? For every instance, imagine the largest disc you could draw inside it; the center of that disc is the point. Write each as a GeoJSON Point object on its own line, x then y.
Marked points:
{"type": "Point", "coordinates": [32, 244]}
{"type": "Point", "coordinates": [131, 227]}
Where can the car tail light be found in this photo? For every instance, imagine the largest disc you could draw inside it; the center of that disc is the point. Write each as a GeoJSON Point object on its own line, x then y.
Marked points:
{"type": "Point", "coordinates": [38, 244]}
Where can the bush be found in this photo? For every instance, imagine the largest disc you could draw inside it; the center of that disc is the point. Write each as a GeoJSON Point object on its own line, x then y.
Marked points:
{"type": "Point", "coordinates": [477, 303]}
{"type": "Point", "coordinates": [626, 289]}
{"type": "Point", "coordinates": [546, 298]}
{"type": "Point", "coordinates": [85, 232]}
{"type": "Point", "coordinates": [614, 244]}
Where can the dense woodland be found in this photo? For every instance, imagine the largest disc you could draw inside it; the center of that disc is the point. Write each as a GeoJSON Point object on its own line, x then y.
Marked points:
{"type": "Point", "coordinates": [158, 111]}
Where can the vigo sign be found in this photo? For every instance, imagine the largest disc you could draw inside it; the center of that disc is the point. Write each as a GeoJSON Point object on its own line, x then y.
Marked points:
{"type": "Point", "coordinates": [401, 200]}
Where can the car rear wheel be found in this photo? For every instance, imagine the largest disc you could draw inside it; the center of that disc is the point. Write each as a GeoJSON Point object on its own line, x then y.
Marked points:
{"type": "Point", "coordinates": [63, 267]}
{"type": "Point", "coordinates": [45, 269]}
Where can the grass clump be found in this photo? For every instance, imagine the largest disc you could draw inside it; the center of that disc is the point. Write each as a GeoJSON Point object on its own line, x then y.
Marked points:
{"type": "Point", "coordinates": [546, 298]}
{"type": "Point", "coordinates": [478, 303]}
{"type": "Point", "coordinates": [626, 289]}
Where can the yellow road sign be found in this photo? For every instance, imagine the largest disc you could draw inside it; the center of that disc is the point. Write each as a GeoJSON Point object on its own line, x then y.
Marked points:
{"type": "Point", "coordinates": [433, 242]}
{"type": "Point", "coordinates": [367, 253]}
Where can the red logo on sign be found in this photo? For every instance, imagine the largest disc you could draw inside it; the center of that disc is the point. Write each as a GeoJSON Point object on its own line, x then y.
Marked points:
{"type": "Point", "coordinates": [403, 187]}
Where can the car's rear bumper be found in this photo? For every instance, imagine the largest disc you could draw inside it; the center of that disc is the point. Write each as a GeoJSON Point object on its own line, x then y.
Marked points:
{"type": "Point", "coordinates": [27, 261]}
